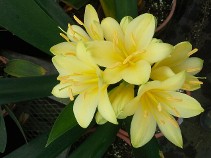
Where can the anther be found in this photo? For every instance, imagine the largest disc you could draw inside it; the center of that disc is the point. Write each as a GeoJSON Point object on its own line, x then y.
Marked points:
{"type": "Point", "coordinates": [192, 52]}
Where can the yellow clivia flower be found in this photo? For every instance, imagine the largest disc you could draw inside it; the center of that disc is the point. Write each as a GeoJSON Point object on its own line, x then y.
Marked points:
{"type": "Point", "coordinates": [180, 60]}
{"type": "Point", "coordinates": [76, 33]}
{"type": "Point", "coordinates": [119, 97]}
{"type": "Point", "coordinates": [79, 75]}
{"type": "Point", "coordinates": [129, 49]}
{"type": "Point", "coordinates": [154, 104]}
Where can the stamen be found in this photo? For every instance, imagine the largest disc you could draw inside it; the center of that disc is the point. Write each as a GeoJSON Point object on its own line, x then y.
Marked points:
{"type": "Point", "coordinates": [196, 82]}
{"type": "Point", "coordinates": [203, 78]}
{"type": "Point", "coordinates": [78, 20]}
{"type": "Point", "coordinates": [70, 94]}
{"type": "Point", "coordinates": [70, 53]}
{"type": "Point", "coordinates": [65, 37]}
{"type": "Point", "coordinates": [162, 122]}
{"type": "Point", "coordinates": [71, 29]}
{"type": "Point", "coordinates": [193, 69]}
{"type": "Point", "coordinates": [192, 52]}
{"type": "Point", "coordinates": [62, 30]}
{"type": "Point", "coordinates": [115, 65]}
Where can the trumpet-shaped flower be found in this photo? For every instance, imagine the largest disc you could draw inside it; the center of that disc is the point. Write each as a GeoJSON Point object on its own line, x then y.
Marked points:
{"type": "Point", "coordinates": [119, 97]}
{"type": "Point", "coordinates": [180, 60]}
{"type": "Point", "coordinates": [79, 75]}
{"type": "Point", "coordinates": [130, 49]}
{"type": "Point", "coordinates": [155, 103]}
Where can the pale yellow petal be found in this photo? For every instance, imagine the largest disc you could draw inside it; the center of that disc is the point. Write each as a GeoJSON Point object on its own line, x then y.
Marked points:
{"type": "Point", "coordinates": [76, 33]}
{"type": "Point", "coordinates": [99, 119]}
{"type": "Point", "coordinates": [169, 127]}
{"type": "Point", "coordinates": [143, 127]}
{"type": "Point", "coordinates": [131, 107]}
{"type": "Point", "coordinates": [178, 55]}
{"type": "Point", "coordinates": [113, 75]}
{"type": "Point", "coordinates": [191, 83]}
{"type": "Point", "coordinates": [161, 73]}
{"type": "Point", "coordinates": [85, 106]}
{"type": "Point", "coordinates": [173, 83]}
{"type": "Point", "coordinates": [105, 108]}
{"type": "Point", "coordinates": [121, 96]}
{"type": "Point", "coordinates": [139, 32]}
{"type": "Point", "coordinates": [112, 30]}
{"type": "Point", "coordinates": [137, 73]}
{"type": "Point", "coordinates": [105, 53]}
{"type": "Point", "coordinates": [64, 48]}
{"type": "Point", "coordinates": [124, 22]}
{"type": "Point", "coordinates": [66, 65]}
{"type": "Point", "coordinates": [91, 23]}
{"type": "Point", "coordinates": [191, 65]}
{"type": "Point", "coordinates": [181, 105]}
{"type": "Point", "coordinates": [61, 90]}
{"type": "Point", "coordinates": [156, 52]}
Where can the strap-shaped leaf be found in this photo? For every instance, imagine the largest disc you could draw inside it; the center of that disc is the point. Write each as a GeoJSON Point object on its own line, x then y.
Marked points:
{"type": "Point", "coordinates": [65, 121]}
{"type": "Point", "coordinates": [3, 133]}
{"type": "Point", "coordinates": [96, 144]}
{"type": "Point", "coordinates": [23, 68]}
{"type": "Point", "coordinates": [27, 20]}
{"type": "Point", "coordinates": [109, 8]}
{"type": "Point", "coordinates": [126, 8]}
{"type": "Point", "coordinates": [52, 8]}
{"type": "Point", "coordinates": [36, 148]}
{"type": "Point", "coordinates": [26, 88]}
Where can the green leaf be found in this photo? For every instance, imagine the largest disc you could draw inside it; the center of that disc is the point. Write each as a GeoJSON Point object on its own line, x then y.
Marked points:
{"type": "Point", "coordinates": [15, 120]}
{"type": "Point", "coordinates": [109, 8]}
{"type": "Point", "coordinates": [65, 121]}
{"type": "Point", "coordinates": [27, 20]}
{"type": "Point", "coordinates": [26, 88]}
{"type": "Point", "coordinates": [77, 4]}
{"type": "Point", "coordinates": [126, 8]}
{"type": "Point", "coordinates": [36, 148]}
{"type": "Point", "coordinates": [52, 8]}
{"type": "Point", "coordinates": [23, 68]}
{"type": "Point", "coordinates": [3, 133]}
{"type": "Point", "coordinates": [96, 144]}
{"type": "Point", "coordinates": [150, 150]}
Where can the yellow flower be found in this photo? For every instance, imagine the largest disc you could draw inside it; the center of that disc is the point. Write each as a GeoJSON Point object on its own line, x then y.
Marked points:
{"type": "Point", "coordinates": [180, 60]}
{"type": "Point", "coordinates": [76, 33]}
{"type": "Point", "coordinates": [79, 75]}
{"type": "Point", "coordinates": [119, 97]}
{"type": "Point", "coordinates": [155, 101]}
{"type": "Point", "coordinates": [130, 49]}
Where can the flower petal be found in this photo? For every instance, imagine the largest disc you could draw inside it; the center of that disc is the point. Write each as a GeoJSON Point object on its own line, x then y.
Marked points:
{"type": "Point", "coordinates": [137, 73]}
{"type": "Point", "coordinates": [142, 128]}
{"type": "Point", "coordinates": [156, 52]}
{"type": "Point", "coordinates": [112, 30]}
{"type": "Point", "coordinates": [113, 75]}
{"type": "Point", "coordinates": [124, 22]}
{"type": "Point", "coordinates": [131, 107]}
{"type": "Point", "coordinates": [139, 32]}
{"type": "Point", "coordinates": [64, 48]}
{"type": "Point", "coordinates": [192, 65]}
{"type": "Point", "coordinates": [85, 106]}
{"type": "Point", "coordinates": [68, 64]}
{"type": "Point", "coordinates": [105, 108]}
{"type": "Point", "coordinates": [91, 23]}
{"type": "Point", "coordinates": [105, 53]}
{"type": "Point", "coordinates": [173, 83]}
{"type": "Point", "coordinates": [161, 73]}
{"type": "Point", "coordinates": [191, 83]}
{"type": "Point", "coordinates": [76, 33]}
{"type": "Point", "coordinates": [178, 55]}
{"type": "Point", "coordinates": [120, 96]}
{"type": "Point", "coordinates": [61, 90]}
{"type": "Point", "coordinates": [99, 119]}
{"type": "Point", "coordinates": [169, 127]}
{"type": "Point", "coordinates": [181, 105]}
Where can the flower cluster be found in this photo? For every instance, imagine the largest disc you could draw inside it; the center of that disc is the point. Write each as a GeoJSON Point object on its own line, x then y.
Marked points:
{"type": "Point", "coordinates": [102, 66]}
